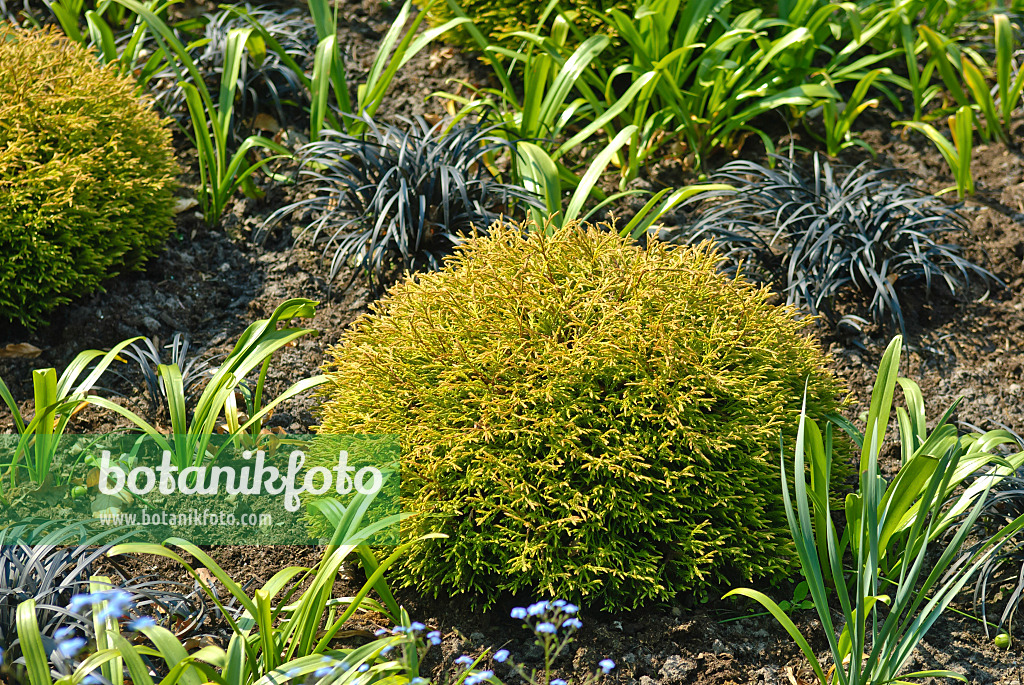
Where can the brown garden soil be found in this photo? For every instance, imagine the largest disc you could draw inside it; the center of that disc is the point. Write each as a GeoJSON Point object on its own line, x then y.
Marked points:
{"type": "Point", "coordinates": [212, 282]}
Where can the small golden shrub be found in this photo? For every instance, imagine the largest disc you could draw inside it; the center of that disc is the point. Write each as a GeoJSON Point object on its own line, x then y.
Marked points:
{"type": "Point", "coordinates": [86, 174]}
{"type": "Point", "coordinates": [582, 417]}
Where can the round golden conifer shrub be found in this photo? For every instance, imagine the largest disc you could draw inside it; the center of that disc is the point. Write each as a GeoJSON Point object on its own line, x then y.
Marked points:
{"type": "Point", "coordinates": [582, 417]}
{"type": "Point", "coordinates": [87, 174]}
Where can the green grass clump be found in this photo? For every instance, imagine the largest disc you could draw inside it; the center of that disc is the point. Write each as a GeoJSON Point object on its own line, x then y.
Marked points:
{"type": "Point", "coordinates": [86, 174]}
{"type": "Point", "coordinates": [581, 417]}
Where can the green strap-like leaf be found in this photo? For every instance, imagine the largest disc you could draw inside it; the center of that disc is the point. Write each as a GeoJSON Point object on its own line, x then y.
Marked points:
{"type": "Point", "coordinates": [939, 46]}
{"type": "Point", "coordinates": [8, 398]}
{"type": "Point", "coordinates": [978, 86]}
{"type": "Point", "coordinates": [31, 640]}
{"type": "Point", "coordinates": [593, 174]}
{"type": "Point", "coordinates": [105, 631]}
{"type": "Point", "coordinates": [787, 623]}
{"type": "Point", "coordinates": [321, 84]}
{"type": "Point", "coordinates": [137, 669]}
{"type": "Point", "coordinates": [881, 398]}
{"type": "Point", "coordinates": [539, 174]}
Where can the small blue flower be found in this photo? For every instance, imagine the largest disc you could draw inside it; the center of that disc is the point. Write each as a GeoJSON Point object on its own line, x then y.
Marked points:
{"type": "Point", "coordinates": [606, 665]}
{"type": "Point", "coordinates": [380, 631]}
{"type": "Point", "coordinates": [519, 612]}
{"type": "Point", "coordinates": [1, 656]}
{"type": "Point", "coordinates": [118, 603]}
{"type": "Point", "coordinates": [292, 672]}
{"type": "Point", "coordinates": [71, 646]}
{"type": "Point", "coordinates": [363, 668]}
{"type": "Point", "coordinates": [558, 681]}
{"type": "Point", "coordinates": [478, 677]}
{"type": "Point", "coordinates": [558, 603]}
{"type": "Point", "coordinates": [325, 671]}
{"type": "Point", "coordinates": [537, 608]}
{"type": "Point", "coordinates": [574, 623]}
{"type": "Point", "coordinates": [141, 623]}
{"type": "Point", "coordinates": [80, 602]}
{"type": "Point", "coordinates": [570, 609]}
{"type": "Point", "coordinates": [435, 637]}
{"type": "Point", "coordinates": [418, 680]}
{"type": "Point", "coordinates": [91, 679]}
{"type": "Point", "coordinates": [387, 649]}
{"type": "Point", "coordinates": [501, 655]}
{"type": "Point", "coordinates": [417, 627]}
{"type": "Point", "coordinates": [399, 630]}
{"type": "Point", "coordinates": [464, 660]}
{"type": "Point", "coordinates": [546, 627]}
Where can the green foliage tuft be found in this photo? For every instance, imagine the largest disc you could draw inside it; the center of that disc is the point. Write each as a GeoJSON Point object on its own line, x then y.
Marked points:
{"type": "Point", "coordinates": [86, 174]}
{"type": "Point", "coordinates": [582, 417]}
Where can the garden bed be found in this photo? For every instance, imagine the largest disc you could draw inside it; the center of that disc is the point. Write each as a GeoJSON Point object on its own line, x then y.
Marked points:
{"type": "Point", "coordinates": [211, 282]}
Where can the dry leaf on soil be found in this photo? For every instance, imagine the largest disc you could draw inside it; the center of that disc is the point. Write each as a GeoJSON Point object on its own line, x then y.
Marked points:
{"type": "Point", "coordinates": [20, 351]}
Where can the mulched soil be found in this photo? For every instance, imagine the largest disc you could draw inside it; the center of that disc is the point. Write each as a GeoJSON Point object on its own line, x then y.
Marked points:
{"type": "Point", "coordinates": [212, 282]}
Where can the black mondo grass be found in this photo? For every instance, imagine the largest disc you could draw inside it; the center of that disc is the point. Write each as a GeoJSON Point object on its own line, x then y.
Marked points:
{"type": "Point", "coordinates": [266, 85]}
{"type": "Point", "coordinates": [1000, 580]}
{"type": "Point", "coordinates": [51, 562]}
{"type": "Point", "coordinates": [814, 236]}
{"type": "Point", "coordinates": [404, 193]}
{"type": "Point", "coordinates": [147, 357]}
{"type": "Point", "coordinates": [11, 12]}
{"type": "Point", "coordinates": [25, 12]}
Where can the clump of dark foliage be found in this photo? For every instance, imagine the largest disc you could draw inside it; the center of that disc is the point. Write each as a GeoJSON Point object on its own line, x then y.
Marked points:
{"type": "Point", "coordinates": [268, 83]}
{"type": "Point", "coordinates": [1001, 578]}
{"type": "Point", "coordinates": [50, 562]}
{"type": "Point", "coordinates": [9, 13]}
{"type": "Point", "coordinates": [406, 192]}
{"type": "Point", "coordinates": [814, 235]}
{"type": "Point", "coordinates": [147, 357]}
{"type": "Point", "coordinates": [23, 12]}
